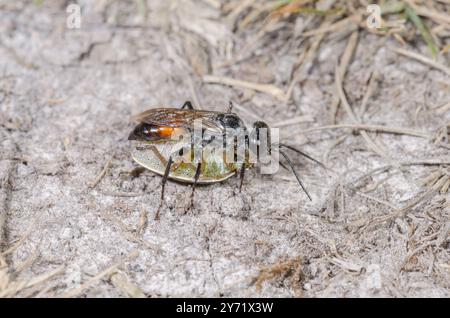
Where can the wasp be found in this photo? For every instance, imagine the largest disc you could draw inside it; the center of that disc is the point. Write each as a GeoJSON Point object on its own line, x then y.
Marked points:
{"type": "Point", "coordinates": [167, 144]}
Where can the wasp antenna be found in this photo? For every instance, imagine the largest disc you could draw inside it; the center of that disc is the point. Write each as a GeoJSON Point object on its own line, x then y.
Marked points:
{"type": "Point", "coordinates": [295, 173]}
{"type": "Point", "coordinates": [284, 166]}
{"type": "Point", "coordinates": [302, 153]}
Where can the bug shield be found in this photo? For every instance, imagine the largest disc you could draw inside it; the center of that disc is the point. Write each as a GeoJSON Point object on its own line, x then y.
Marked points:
{"type": "Point", "coordinates": [256, 146]}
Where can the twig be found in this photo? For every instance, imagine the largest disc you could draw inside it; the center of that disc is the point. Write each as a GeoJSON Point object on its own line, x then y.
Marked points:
{"type": "Point", "coordinates": [438, 162]}
{"type": "Point", "coordinates": [102, 174]}
{"type": "Point", "coordinates": [76, 291]}
{"type": "Point", "coordinates": [123, 194]}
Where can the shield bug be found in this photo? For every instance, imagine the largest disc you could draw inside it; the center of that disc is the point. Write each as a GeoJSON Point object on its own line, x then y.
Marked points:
{"type": "Point", "coordinates": [202, 147]}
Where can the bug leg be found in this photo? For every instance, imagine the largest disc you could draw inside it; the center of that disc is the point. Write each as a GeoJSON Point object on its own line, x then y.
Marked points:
{"type": "Point", "coordinates": [241, 177]}
{"type": "Point", "coordinates": [163, 184]}
{"type": "Point", "coordinates": [144, 147]}
{"type": "Point", "coordinates": [187, 105]}
{"type": "Point", "coordinates": [196, 177]}
{"type": "Point", "coordinates": [295, 173]}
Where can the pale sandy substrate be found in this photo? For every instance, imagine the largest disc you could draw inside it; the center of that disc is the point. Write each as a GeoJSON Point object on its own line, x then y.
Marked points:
{"type": "Point", "coordinates": [66, 97]}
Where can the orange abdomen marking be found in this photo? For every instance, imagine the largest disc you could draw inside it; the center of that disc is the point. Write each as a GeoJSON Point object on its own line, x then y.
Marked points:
{"type": "Point", "coordinates": [164, 131]}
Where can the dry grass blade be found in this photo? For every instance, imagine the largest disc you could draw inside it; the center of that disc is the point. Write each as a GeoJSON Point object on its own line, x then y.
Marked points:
{"type": "Point", "coordinates": [306, 62]}
{"type": "Point", "coordinates": [290, 7]}
{"type": "Point", "coordinates": [348, 54]}
{"type": "Point", "coordinates": [338, 79]}
{"type": "Point", "coordinates": [345, 61]}
{"type": "Point", "coordinates": [342, 96]}
{"type": "Point", "coordinates": [21, 240]}
{"type": "Point", "coordinates": [420, 25]}
{"type": "Point", "coordinates": [370, 89]}
{"type": "Point", "coordinates": [248, 113]}
{"type": "Point", "coordinates": [27, 262]}
{"type": "Point", "coordinates": [77, 291]}
{"type": "Point", "coordinates": [355, 19]}
{"type": "Point", "coordinates": [403, 211]}
{"type": "Point", "coordinates": [10, 288]}
{"type": "Point", "coordinates": [423, 59]}
{"type": "Point", "coordinates": [443, 109]}
{"type": "Point", "coordinates": [44, 277]}
{"type": "Point", "coordinates": [264, 88]}
{"type": "Point", "coordinates": [143, 222]}
{"type": "Point", "coordinates": [122, 282]}
{"type": "Point", "coordinates": [234, 14]}
{"type": "Point", "coordinates": [438, 17]}
{"type": "Point", "coordinates": [294, 121]}
{"type": "Point", "coordinates": [373, 128]}
{"type": "Point", "coordinates": [429, 162]}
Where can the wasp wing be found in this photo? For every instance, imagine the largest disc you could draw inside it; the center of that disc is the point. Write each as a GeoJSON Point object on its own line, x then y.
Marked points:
{"type": "Point", "coordinates": [180, 118]}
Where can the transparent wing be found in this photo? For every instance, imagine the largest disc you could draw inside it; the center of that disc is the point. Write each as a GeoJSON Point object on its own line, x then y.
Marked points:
{"type": "Point", "coordinates": [180, 118]}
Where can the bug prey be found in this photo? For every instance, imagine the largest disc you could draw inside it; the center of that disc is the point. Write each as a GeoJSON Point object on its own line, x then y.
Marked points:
{"type": "Point", "coordinates": [204, 147]}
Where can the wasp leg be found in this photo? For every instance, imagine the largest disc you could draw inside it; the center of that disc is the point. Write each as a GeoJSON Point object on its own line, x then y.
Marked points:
{"type": "Point", "coordinates": [230, 107]}
{"type": "Point", "coordinates": [283, 166]}
{"type": "Point", "coordinates": [196, 177]}
{"type": "Point", "coordinates": [301, 153]}
{"type": "Point", "coordinates": [187, 105]}
{"type": "Point", "coordinates": [163, 184]}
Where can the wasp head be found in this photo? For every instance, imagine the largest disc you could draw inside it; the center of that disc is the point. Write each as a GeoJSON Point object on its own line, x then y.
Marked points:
{"type": "Point", "coordinates": [230, 120]}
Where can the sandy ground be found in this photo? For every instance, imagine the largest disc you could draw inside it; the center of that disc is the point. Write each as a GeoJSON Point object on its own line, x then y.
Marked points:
{"type": "Point", "coordinates": [66, 100]}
